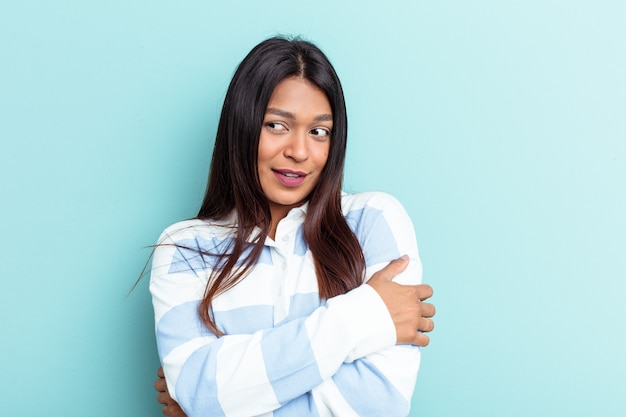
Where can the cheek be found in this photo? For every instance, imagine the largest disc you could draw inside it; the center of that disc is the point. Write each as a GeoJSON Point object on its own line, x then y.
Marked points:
{"type": "Point", "coordinates": [263, 153]}
{"type": "Point", "coordinates": [320, 158]}
{"type": "Point", "coordinates": [324, 155]}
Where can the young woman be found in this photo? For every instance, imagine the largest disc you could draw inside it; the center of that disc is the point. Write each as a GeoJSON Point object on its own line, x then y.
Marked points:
{"type": "Point", "coordinates": [278, 299]}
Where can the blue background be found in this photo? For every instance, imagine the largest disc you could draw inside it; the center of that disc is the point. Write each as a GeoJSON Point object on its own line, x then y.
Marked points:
{"type": "Point", "coordinates": [499, 124]}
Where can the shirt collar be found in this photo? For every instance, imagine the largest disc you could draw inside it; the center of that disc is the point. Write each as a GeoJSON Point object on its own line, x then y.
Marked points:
{"type": "Point", "coordinates": [230, 221]}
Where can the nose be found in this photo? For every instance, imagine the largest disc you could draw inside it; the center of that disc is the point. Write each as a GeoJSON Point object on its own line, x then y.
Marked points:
{"type": "Point", "coordinates": [297, 147]}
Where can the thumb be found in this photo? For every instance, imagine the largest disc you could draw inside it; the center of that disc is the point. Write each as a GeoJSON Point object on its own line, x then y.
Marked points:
{"type": "Point", "coordinates": [392, 269]}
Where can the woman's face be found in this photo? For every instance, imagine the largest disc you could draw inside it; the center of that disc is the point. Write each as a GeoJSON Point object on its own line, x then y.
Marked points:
{"type": "Point", "coordinates": [294, 144]}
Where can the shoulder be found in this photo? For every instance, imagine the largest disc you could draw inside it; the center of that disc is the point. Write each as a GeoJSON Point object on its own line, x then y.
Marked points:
{"type": "Point", "coordinates": [372, 212]}
{"type": "Point", "coordinates": [381, 225]}
{"type": "Point", "coordinates": [376, 200]}
{"type": "Point", "coordinates": [183, 246]}
{"type": "Point", "coordinates": [195, 229]}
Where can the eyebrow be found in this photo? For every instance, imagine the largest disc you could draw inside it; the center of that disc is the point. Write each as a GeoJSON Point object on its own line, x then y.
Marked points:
{"type": "Point", "coordinates": [289, 115]}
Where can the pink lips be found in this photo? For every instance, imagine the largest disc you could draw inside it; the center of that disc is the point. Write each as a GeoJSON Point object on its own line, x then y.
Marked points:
{"type": "Point", "coordinates": [289, 178]}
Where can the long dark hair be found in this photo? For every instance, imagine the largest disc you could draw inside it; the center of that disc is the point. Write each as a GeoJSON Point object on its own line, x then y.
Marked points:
{"type": "Point", "coordinates": [234, 183]}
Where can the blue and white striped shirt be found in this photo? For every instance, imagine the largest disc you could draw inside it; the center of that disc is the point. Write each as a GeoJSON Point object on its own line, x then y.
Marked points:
{"type": "Point", "coordinates": [286, 352]}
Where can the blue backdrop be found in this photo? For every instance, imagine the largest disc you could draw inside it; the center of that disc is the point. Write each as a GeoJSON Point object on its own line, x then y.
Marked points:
{"type": "Point", "coordinates": [499, 125]}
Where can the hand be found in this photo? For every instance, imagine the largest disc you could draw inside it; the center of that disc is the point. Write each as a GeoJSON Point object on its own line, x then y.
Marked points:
{"type": "Point", "coordinates": [170, 407]}
{"type": "Point", "coordinates": [410, 315]}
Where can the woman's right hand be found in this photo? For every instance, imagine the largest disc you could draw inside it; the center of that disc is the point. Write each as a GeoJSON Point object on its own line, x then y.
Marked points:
{"type": "Point", "coordinates": [170, 407]}
{"type": "Point", "coordinates": [411, 316]}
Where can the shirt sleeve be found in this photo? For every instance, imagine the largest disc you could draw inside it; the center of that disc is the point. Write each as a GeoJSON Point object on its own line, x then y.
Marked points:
{"type": "Point", "coordinates": [258, 373]}
{"type": "Point", "coordinates": [379, 383]}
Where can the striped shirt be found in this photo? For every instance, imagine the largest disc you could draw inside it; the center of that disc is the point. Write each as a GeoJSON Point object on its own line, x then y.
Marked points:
{"type": "Point", "coordinates": [286, 352]}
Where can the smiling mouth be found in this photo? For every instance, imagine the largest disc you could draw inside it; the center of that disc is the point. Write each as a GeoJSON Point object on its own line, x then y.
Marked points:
{"type": "Point", "coordinates": [289, 178]}
{"type": "Point", "coordinates": [289, 173]}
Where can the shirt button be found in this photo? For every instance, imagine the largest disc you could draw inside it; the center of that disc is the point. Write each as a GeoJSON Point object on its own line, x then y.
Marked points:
{"type": "Point", "coordinates": [285, 238]}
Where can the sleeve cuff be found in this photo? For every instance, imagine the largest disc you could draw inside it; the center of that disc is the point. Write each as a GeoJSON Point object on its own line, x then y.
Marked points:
{"type": "Point", "coordinates": [367, 321]}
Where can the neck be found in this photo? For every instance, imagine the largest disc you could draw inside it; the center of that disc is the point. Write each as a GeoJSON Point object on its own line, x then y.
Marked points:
{"type": "Point", "coordinates": [278, 213]}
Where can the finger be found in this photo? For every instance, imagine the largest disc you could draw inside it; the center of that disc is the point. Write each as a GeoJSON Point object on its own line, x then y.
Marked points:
{"type": "Point", "coordinates": [164, 398]}
{"type": "Point", "coordinates": [426, 325]}
{"type": "Point", "coordinates": [160, 385]}
{"type": "Point", "coordinates": [392, 269]}
{"type": "Point", "coordinates": [160, 372]}
{"type": "Point", "coordinates": [421, 340]}
{"type": "Point", "coordinates": [427, 310]}
{"type": "Point", "coordinates": [167, 410]}
{"type": "Point", "coordinates": [173, 410]}
{"type": "Point", "coordinates": [425, 291]}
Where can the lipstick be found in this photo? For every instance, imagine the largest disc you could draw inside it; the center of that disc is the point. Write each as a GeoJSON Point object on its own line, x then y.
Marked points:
{"type": "Point", "coordinates": [289, 178]}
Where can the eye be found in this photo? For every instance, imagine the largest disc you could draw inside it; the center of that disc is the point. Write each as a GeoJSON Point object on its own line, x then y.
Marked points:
{"type": "Point", "coordinates": [276, 126]}
{"type": "Point", "coordinates": [320, 132]}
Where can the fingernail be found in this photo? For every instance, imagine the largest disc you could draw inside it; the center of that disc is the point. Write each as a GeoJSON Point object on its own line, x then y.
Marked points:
{"type": "Point", "coordinates": [404, 257]}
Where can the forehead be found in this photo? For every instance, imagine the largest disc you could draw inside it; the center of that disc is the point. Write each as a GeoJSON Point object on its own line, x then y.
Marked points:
{"type": "Point", "coordinates": [295, 93]}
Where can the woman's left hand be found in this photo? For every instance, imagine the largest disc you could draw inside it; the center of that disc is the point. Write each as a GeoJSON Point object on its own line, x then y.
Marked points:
{"type": "Point", "coordinates": [170, 407]}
